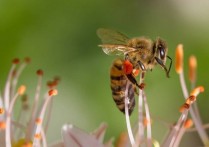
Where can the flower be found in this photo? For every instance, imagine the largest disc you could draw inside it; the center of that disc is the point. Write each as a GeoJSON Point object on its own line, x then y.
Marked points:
{"type": "Point", "coordinates": [75, 137]}
{"type": "Point", "coordinates": [20, 132]}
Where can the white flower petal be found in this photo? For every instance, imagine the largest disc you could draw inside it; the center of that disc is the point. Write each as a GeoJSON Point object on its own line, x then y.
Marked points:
{"type": "Point", "coordinates": [100, 132]}
{"type": "Point", "coordinates": [74, 137]}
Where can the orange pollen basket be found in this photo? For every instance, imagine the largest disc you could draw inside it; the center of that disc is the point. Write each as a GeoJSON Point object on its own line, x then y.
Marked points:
{"type": "Point", "coordinates": [127, 67]}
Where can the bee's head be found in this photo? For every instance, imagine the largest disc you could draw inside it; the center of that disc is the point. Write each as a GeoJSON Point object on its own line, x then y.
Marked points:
{"type": "Point", "coordinates": [160, 51]}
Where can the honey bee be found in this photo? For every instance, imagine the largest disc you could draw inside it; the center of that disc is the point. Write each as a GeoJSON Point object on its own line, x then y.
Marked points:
{"type": "Point", "coordinates": [118, 86]}
{"type": "Point", "coordinates": [140, 54]}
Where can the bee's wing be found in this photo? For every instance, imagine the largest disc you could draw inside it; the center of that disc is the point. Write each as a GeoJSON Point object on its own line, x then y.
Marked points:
{"type": "Point", "coordinates": [111, 49]}
{"type": "Point", "coordinates": [108, 36]}
{"type": "Point", "coordinates": [114, 43]}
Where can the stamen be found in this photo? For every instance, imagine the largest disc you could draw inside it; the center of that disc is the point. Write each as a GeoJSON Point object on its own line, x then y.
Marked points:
{"type": "Point", "coordinates": [54, 83]}
{"type": "Point", "coordinates": [16, 61]}
{"type": "Point", "coordinates": [17, 73]}
{"type": "Point", "coordinates": [128, 124]}
{"type": "Point", "coordinates": [149, 130]}
{"type": "Point", "coordinates": [2, 111]}
{"type": "Point", "coordinates": [40, 72]}
{"type": "Point", "coordinates": [122, 140]}
{"type": "Point", "coordinates": [35, 104]}
{"type": "Point", "coordinates": [37, 136]}
{"type": "Point", "coordinates": [140, 132]}
{"type": "Point", "coordinates": [192, 69]}
{"type": "Point", "coordinates": [43, 138]}
{"type": "Point", "coordinates": [27, 144]}
{"type": "Point", "coordinates": [41, 116]}
{"type": "Point", "coordinates": [53, 92]}
{"type": "Point", "coordinates": [146, 122]}
{"type": "Point", "coordinates": [38, 121]}
{"type": "Point", "coordinates": [21, 90]}
{"type": "Point", "coordinates": [179, 58]}
{"type": "Point", "coordinates": [130, 134]}
{"type": "Point", "coordinates": [21, 118]}
{"type": "Point", "coordinates": [8, 83]}
{"type": "Point", "coordinates": [188, 123]}
{"type": "Point", "coordinates": [2, 125]}
{"type": "Point", "coordinates": [184, 107]}
{"type": "Point", "coordinates": [197, 90]}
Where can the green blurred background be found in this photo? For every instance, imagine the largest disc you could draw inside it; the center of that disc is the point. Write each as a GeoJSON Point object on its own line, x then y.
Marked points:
{"type": "Point", "coordinates": [60, 37]}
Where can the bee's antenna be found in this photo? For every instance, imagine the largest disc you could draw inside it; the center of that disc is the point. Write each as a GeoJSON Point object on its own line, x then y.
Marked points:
{"type": "Point", "coordinates": [170, 63]}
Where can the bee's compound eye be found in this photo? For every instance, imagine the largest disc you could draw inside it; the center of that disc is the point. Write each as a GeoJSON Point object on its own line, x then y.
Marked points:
{"type": "Point", "coordinates": [162, 52]}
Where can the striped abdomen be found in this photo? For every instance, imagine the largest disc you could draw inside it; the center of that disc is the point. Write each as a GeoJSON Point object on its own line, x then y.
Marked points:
{"type": "Point", "coordinates": [118, 81]}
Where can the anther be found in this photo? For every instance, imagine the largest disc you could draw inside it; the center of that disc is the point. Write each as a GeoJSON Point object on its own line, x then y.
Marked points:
{"type": "Point", "coordinates": [53, 92]}
{"type": "Point", "coordinates": [15, 61]}
{"type": "Point", "coordinates": [184, 107]}
{"type": "Point", "coordinates": [188, 123]}
{"type": "Point", "coordinates": [146, 121]}
{"type": "Point", "coordinates": [21, 90]}
{"type": "Point", "coordinates": [192, 68]}
{"type": "Point", "coordinates": [2, 125]}
{"type": "Point", "coordinates": [38, 121]}
{"type": "Point", "coordinates": [197, 90]}
{"type": "Point", "coordinates": [39, 72]}
{"type": "Point", "coordinates": [38, 136]}
{"type": "Point", "coordinates": [179, 58]}
{"type": "Point", "coordinates": [2, 110]}
{"type": "Point", "coordinates": [27, 144]}
{"type": "Point", "coordinates": [192, 98]}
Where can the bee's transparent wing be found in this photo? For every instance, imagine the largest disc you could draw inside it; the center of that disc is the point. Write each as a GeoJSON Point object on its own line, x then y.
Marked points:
{"type": "Point", "coordinates": [114, 43]}
{"type": "Point", "coordinates": [108, 36]}
{"type": "Point", "coordinates": [110, 49]}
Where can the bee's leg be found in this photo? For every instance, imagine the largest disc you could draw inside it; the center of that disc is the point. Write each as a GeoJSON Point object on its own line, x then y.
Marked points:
{"type": "Point", "coordinates": [141, 65]}
{"type": "Point", "coordinates": [163, 66]}
{"type": "Point", "coordinates": [133, 80]}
